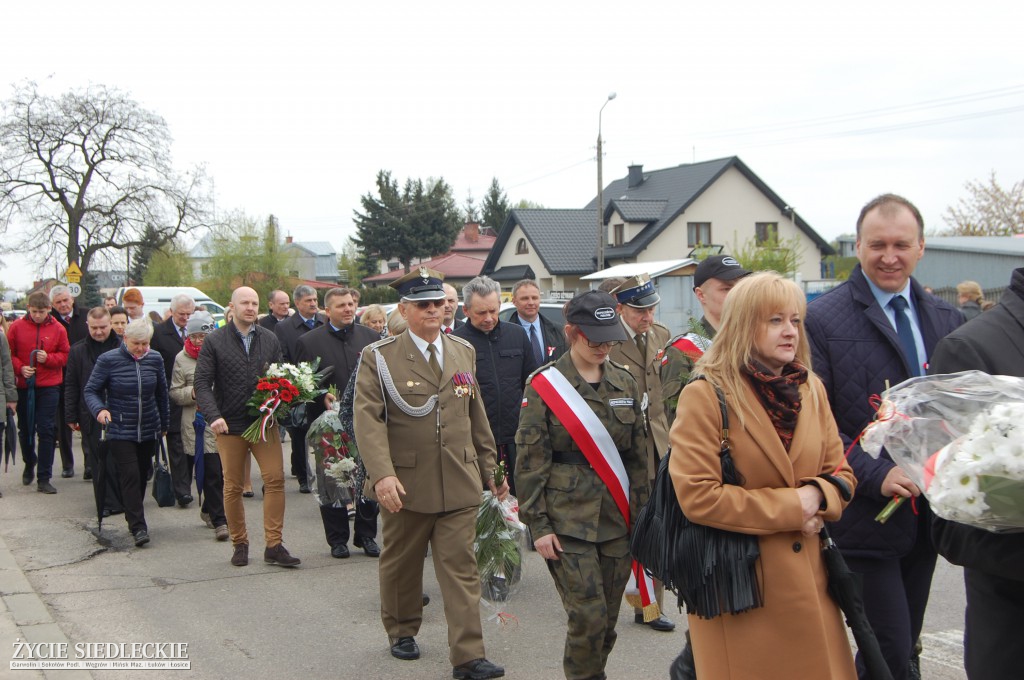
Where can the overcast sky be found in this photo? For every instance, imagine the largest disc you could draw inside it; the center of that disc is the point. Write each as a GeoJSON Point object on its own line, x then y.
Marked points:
{"type": "Point", "coordinates": [294, 107]}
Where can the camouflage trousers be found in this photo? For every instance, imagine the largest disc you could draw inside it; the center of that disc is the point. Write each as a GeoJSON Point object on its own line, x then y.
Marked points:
{"type": "Point", "coordinates": [590, 579]}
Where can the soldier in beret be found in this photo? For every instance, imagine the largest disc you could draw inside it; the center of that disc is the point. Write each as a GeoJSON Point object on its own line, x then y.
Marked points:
{"type": "Point", "coordinates": [428, 450]}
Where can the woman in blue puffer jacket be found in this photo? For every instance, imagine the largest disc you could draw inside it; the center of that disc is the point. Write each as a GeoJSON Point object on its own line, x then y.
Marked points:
{"type": "Point", "coordinates": [127, 392]}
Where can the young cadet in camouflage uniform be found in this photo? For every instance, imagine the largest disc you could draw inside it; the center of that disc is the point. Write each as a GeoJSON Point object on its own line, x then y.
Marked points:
{"type": "Point", "coordinates": [712, 281]}
{"type": "Point", "coordinates": [574, 521]}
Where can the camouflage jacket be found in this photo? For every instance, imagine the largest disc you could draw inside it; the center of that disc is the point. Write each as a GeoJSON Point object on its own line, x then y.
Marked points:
{"type": "Point", "coordinates": [676, 365]}
{"type": "Point", "coordinates": [571, 499]}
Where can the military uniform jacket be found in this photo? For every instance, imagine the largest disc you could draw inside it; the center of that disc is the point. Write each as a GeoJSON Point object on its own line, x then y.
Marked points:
{"type": "Point", "coordinates": [571, 499]}
{"type": "Point", "coordinates": [676, 367]}
{"type": "Point", "coordinates": [444, 458]}
{"type": "Point", "coordinates": [647, 372]}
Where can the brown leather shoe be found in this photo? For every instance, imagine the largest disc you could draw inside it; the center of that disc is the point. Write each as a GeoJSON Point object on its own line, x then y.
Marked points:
{"type": "Point", "coordinates": [241, 556]}
{"type": "Point", "coordinates": [279, 555]}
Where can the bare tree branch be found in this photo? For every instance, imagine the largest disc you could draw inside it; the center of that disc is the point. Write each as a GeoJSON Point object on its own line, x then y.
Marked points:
{"type": "Point", "coordinates": [89, 171]}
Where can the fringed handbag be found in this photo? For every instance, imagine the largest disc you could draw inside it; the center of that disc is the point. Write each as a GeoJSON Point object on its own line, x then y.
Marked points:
{"type": "Point", "coordinates": [711, 570]}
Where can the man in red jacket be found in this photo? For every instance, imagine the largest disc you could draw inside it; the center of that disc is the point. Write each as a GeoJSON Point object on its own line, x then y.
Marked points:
{"type": "Point", "coordinates": [39, 352]}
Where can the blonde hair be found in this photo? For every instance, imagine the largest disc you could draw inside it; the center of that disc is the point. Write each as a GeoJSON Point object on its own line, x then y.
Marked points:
{"type": "Point", "coordinates": [396, 324]}
{"type": "Point", "coordinates": [748, 307]}
{"type": "Point", "coordinates": [374, 312]}
{"type": "Point", "coordinates": [971, 290]}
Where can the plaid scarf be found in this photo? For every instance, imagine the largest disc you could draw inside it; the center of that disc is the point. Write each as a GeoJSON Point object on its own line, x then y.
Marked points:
{"type": "Point", "coordinates": [779, 395]}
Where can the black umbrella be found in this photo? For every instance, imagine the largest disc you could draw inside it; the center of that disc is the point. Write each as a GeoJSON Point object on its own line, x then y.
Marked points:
{"type": "Point", "coordinates": [10, 439]}
{"type": "Point", "coordinates": [106, 488]}
{"type": "Point", "coordinates": [99, 477]}
{"type": "Point", "coordinates": [847, 589]}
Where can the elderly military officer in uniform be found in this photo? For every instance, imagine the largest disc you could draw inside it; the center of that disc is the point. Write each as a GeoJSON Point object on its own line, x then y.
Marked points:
{"type": "Point", "coordinates": [429, 453]}
{"type": "Point", "coordinates": [641, 355]}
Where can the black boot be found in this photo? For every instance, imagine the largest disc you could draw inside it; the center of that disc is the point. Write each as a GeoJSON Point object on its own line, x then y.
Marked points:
{"type": "Point", "coordinates": [682, 667]}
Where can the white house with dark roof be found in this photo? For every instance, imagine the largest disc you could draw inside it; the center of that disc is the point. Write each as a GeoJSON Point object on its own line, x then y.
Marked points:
{"type": "Point", "coordinates": [652, 216]}
{"type": "Point", "coordinates": [309, 260]}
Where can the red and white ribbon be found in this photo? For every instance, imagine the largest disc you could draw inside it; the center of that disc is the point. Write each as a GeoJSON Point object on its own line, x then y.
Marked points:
{"type": "Point", "coordinates": [590, 434]}
{"type": "Point", "coordinates": [267, 408]}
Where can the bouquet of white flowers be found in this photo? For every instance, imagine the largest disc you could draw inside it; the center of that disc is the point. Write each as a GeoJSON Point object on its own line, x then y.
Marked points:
{"type": "Point", "coordinates": [960, 437]}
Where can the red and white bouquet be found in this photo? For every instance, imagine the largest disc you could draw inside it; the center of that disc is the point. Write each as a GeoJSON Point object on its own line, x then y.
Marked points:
{"type": "Point", "coordinates": [284, 387]}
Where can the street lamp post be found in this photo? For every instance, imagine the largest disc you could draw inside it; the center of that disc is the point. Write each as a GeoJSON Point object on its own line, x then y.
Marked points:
{"type": "Point", "coordinates": [601, 235]}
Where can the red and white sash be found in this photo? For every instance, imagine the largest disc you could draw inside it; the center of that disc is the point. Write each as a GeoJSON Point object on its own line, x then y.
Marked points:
{"type": "Point", "coordinates": [590, 434]}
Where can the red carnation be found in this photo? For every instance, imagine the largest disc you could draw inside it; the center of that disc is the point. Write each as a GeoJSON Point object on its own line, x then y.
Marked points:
{"type": "Point", "coordinates": [286, 396]}
{"type": "Point", "coordinates": [344, 437]}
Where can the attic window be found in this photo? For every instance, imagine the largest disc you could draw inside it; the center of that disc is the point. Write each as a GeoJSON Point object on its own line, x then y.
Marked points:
{"type": "Point", "coordinates": [522, 248]}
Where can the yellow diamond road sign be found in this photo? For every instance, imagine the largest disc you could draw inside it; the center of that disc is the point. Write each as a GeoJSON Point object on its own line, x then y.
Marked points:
{"type": "Point", "coordinates": [73, 273]}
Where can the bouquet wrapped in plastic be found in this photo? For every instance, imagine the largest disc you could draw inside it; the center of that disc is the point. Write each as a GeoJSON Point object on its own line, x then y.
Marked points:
{"type": "Point", "coordinates": [336, 473]}
{"type": "Point", "coordinates": [960, 438]}
{"type": "Point", "coordinates": [500, 538]}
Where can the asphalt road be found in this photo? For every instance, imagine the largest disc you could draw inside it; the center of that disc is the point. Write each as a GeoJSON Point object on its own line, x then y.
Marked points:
{"type": "Point", "coordinates": [320, 620]}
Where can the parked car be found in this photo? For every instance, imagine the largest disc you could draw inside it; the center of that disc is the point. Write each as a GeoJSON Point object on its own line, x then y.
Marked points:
{"type": "Point", "coordinates": [158, 299]}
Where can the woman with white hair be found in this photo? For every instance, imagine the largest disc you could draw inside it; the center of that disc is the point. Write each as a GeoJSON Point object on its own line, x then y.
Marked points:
{"type": "Point", "coordinates": [127, 394]}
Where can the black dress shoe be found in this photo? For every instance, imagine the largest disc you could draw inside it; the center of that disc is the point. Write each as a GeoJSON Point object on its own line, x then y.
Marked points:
{"type": "Point", "coordinates": [45, 487]}
{"type": "Point", "coordinates": [67, 473]}
{"type": "Point", "coordinates": [426, 599]}
{"type": "Point", "coordinates": [185, 500]}
{"type": "Point", "coordinates": [370, 547]}
{"type": "Point", "coordinates": [87, 475]}
{"type": "Point", "coordinates": [28, 475]}
{"type": "Point", "coordinates": [406, 649]}
{"type": "Point", "coordinates": [141, 538]}
{"type": "Point", "coordinates": [477, 669]}
{"type": "Point", "coordinates": [660, 624]}
{"type": "Point", "coordinates": [339, 551]}
{"type": "Point", "coordinates": [303, 487]}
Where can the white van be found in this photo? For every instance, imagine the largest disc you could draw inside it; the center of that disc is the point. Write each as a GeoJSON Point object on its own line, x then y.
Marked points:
{"type": "Point", "coordinates": [158, 299]}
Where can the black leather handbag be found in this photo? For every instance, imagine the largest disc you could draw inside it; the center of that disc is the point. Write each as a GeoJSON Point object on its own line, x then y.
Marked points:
{"type": "Point", "coordinates": [163, 490]}
{"type": "Point", "coordinates": [710, 570]}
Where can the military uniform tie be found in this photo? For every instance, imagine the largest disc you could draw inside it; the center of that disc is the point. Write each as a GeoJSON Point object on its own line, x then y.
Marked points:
{"type": "Point", "coordinates": [435, 366]}
{"type": "Point", "coordinates": [641, 344]}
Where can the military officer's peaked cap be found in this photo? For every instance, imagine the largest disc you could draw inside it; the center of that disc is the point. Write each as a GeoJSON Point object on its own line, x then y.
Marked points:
{"type": "Point", "coordinates": [637, 291]}
{"type": "Point", "coordinates": [594, 313]}
{"type": "Point", "coordinates": [422, 283]}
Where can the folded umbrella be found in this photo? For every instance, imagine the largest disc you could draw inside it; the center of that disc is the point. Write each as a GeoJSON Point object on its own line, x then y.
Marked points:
{"type": "Point", "coordinates": [99, 478]}
{"type": "Point", "coordinates": [10, 439]}
{"type": "Point", "coordinates": [847, 590]}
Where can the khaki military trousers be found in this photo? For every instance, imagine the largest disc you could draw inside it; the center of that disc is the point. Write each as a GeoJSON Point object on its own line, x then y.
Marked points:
{"type": "Point", "coordinates": [590, 579]}
{"type": "Point", "coordinates": [450, 535]}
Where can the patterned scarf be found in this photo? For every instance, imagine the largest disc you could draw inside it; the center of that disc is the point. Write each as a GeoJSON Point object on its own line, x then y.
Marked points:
{"type": "Point", "coordinates": [779, 395]}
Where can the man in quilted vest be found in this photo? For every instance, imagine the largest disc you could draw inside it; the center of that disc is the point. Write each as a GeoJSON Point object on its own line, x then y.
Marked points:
{"type": "Point", "coordinates": [881, 326]}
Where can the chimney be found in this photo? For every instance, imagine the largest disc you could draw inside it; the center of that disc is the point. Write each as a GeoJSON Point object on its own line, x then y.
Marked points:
{"type": "Point", "coordinates": [287, 239]}
{"type": "Point", "coordinates": [636, 176]}
{"type": "Point", "coordinates": [472, 232]}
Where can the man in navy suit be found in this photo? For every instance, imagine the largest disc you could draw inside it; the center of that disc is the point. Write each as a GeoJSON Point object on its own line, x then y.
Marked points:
{"type": "Point", "coordinates": [881, 326]}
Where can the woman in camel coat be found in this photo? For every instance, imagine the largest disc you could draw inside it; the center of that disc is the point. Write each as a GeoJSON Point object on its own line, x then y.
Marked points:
{"type": "Point", "coordinates": [783, 437]}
